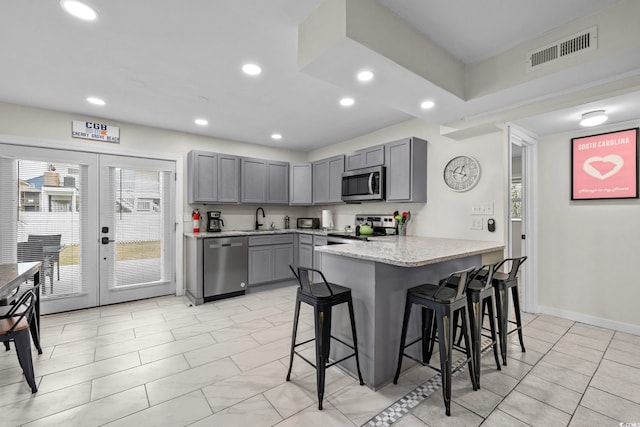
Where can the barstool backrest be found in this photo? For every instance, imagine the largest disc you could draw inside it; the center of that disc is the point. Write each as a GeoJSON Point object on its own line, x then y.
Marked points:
{"type": "Point", "coordinates": [458, 280]}
{"type": "Point", "coordinates": [515, 266]}
{"type": "Point", "coordinates": [484, 274]}
{"type": "Point", "coordinates": [303, 275]}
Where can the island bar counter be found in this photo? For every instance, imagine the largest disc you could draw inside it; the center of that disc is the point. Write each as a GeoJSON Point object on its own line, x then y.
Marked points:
{"type": "Point", "coordinates": [379, 272]}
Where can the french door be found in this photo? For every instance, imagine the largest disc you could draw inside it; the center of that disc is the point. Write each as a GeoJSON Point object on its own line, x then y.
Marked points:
{"type": "Point", "coordinates": [81, 199]}
{"type": "Point", "coordinates": [137, 226]}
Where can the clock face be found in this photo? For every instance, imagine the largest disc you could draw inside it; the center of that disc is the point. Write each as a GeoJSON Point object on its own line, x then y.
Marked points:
{"type": "Point", "coordinates": [462, 173]}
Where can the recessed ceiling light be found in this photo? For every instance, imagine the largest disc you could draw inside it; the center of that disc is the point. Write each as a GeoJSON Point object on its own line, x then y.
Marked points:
{"type": "Point", "coordinates": [201, 122]}
{"type": "Point", "coordinates": [425, 105]}
{"type": "Point", "coordinates": [95, 101]}
{"type": "Point", "coordinates": [347, 102]}
{"type": "Point", "coordinates": [365, 76]}
{"type": "Point", "coordinates": [79, 10]}
{"type": "Point", "coordinates": [593, 118]}
{"type": "Point", "coordinates": [276, 136]}
{"type": "Point", "coordinates": [251, 69]}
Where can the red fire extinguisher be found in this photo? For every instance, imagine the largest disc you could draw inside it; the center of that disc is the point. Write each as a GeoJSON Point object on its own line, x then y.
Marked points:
{"type": "Point", "coordinates": [196, 221]}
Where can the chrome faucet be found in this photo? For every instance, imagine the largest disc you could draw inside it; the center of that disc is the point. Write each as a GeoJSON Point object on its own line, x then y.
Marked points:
{"type": "Point", "coordinates": [263, 215]}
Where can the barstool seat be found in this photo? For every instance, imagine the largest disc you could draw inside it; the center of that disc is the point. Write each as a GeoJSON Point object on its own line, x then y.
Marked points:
{"type": "Point", "coordinates": [442, 303]}
{"type": "Point", "coordinates": [322, 296]}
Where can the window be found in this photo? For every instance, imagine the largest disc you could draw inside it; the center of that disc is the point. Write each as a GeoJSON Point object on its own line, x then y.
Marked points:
{"type": "Point", "coordinates": [516, 200]}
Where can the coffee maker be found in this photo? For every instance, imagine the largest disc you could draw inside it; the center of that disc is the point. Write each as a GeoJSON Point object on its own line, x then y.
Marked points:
{"type": "Point", "coordinates": [214, 222]}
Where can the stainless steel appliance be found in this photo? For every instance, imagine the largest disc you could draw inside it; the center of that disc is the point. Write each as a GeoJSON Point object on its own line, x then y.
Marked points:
{"type": "Point", "coordinates": [225, 267]}
{"type": "Point", "coordinates": [363, 185]}
{"type": "Point", "coordinates": [309, 223]}
{"type": "Point", "coordinates": [383, 225]}
{"type": "Point", "coordinates": [214, 222]}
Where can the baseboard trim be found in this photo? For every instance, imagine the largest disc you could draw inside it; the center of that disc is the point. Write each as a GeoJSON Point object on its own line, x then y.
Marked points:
{"type": "Point", "coordinates": [591, 320]}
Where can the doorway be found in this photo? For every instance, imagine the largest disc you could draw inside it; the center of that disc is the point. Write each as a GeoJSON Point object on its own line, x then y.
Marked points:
{"type": "Point", "coordinates": [522, 218]}
{"type": "Point", "coordinates": [64, 199]}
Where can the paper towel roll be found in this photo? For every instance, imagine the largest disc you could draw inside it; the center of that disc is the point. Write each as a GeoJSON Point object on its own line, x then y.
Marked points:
{"type": "Point", "coordinates": [326, 219]}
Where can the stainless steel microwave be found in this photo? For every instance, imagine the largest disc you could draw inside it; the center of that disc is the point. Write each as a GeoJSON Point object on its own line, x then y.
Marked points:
{"type": "Point", "coordinates": [363, 185]}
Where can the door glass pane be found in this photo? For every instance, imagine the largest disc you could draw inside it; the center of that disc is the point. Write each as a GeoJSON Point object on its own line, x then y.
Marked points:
{"type": "Point", "coordinates": [49, 215]}
{"type": "Point", "coordinates": [138, 221]}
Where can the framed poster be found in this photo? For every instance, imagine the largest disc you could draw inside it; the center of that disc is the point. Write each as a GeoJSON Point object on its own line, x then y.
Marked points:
{"type": "Point", "coordinates": [605, 166]}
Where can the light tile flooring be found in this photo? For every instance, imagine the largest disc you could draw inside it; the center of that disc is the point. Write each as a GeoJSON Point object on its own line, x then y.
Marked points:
{"type": "Point", "coordinates": [161, 362]}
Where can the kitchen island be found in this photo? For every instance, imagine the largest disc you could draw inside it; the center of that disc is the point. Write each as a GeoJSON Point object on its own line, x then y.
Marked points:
{"type": "Point", "coordinates": [379, 272]}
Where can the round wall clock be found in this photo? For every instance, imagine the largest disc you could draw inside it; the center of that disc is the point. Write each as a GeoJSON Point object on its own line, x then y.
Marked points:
{"type": "Point", "coordinates": [462, 173]}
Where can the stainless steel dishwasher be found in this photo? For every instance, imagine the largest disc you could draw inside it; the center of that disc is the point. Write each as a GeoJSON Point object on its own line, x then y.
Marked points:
{"type": "Point", "coordinates": [225, 267]}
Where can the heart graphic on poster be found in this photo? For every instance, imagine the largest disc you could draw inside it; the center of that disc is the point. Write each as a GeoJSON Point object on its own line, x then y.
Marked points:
{"type": "Point", "coordinates": [603, 167]}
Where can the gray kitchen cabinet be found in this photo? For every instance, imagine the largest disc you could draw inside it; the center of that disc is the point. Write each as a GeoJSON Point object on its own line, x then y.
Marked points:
{"type": "Point", "coordinates": [260, 264]}
{"type": "Point", "coordinates": [282, 258]}
{"type": "Point", "coordinates": [300, 184]}
{"type": "Point", "coordinates": [228, 178]}
{"type": "Point", "coordinates": [212, 177]}
{"type": "Point", "coordinates": [317, 256]}
{"type": "Point", "coordinates": [253, 179]}
{"type": "Point", "coordinates": [305, 250]}
{"type": "Point", "coordinates": [277, 182]}
{"type": "Point", "coordinates": [202, 170]}
{"type": "Point", "coordinates": [264, 181]}
{"type": "Point", "coordinates": [270, 257]}
{"type": "Point", "coordinates": [406, 162]}
{"type": "Point", "coordinates": [327, 180]}
{"type": "Point", "coordinates": [365, 158]}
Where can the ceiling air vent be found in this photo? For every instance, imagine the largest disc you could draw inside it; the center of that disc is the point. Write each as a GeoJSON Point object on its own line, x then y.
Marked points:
{"type": "Point", "coordinates": [563, 48]}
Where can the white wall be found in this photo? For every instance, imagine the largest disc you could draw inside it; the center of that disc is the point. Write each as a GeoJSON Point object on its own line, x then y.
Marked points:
{"type": "Point", "coordinates": [446, 213]}
{"type": "Point", "coordinates": [587, 250]}
{"type": "Point", "coordinates": [53, 125]}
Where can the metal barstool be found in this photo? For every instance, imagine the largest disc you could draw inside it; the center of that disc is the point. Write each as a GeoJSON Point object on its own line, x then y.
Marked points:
{"type": "Point", "coordinates": [322, 296]}
{"type": "Point", "coordinates": [502, 282]}
{"type": "Point", "coordinates": [441, 302]}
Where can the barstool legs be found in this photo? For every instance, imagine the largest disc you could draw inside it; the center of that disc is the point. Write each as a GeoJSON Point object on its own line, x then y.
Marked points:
{"type": "Point", "coordinates": [323, 343]}
{"type": "Point", "coordinates": [293, 337]}
{"type": "Point", "coordinates": [516, 308]}
{"type": "Point", "coordinates": [502, 306]}
{"type": "Point", "coordinates": [403, 338]}
{"type": "Point", "coordinates": [355, 339]}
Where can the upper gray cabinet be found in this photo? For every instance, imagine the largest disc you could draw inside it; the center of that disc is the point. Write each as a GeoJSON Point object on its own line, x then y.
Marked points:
{"type": "Point", "coordinates": [264, 181]}
{"type": "Point", "coordinates": [367, 157]}
{"type": "Point", "coordinates": [406, 162]}
{"type": "Point", "coordinates": [202, 170]}
{"type": "Point", "coordinates": [300, 184]}
{"type": "Point", "coordinates": [327, 180]}
{"type": "Point", "coordinates": [228, 178]}
{"type": "Point", "coordinates": [277, 182]}
{"type": "Point", "coordinates": [212, 177]}
{"type": "Point", "coordinates": [253, 179]}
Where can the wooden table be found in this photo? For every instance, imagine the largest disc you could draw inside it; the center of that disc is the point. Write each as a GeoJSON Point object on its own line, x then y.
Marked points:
{"type": "Point", "coordinates": [14, 275]}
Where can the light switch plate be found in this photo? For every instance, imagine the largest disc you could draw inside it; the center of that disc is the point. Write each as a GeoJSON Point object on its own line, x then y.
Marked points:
{"type": "Point", "coordinates": [187, 217]}
{"type": "Point", "coordinates": [476, 209]}
{"type": "Point", "coordinates": [476, 223]}
{"type": "Point", "coordinates": [486, 208]}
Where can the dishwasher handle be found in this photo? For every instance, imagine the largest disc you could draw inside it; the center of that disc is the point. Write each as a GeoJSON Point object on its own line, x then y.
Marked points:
{"type": "Point", "coordinates": [225, 245]}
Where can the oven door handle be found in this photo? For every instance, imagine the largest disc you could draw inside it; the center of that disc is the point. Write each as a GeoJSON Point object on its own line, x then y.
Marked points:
{"type": "Point", "coordinates": [371, 182]}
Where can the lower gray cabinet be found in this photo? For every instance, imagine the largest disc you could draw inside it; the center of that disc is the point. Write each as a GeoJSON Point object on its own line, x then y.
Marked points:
{"type": "Point", "coordinates": [270, 257]}
{"type": "Point", "coordinates": [282, 259]}
{"type": "Point", "coordinates": [305, 255]}
{"type": "Point", "coordinates": [260, 264]}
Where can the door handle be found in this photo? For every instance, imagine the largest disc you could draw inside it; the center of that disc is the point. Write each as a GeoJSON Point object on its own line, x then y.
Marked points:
{"type": "Point", "coordinates": [106, 240]}
{"type": "Point", "coordinates": [371, 183]}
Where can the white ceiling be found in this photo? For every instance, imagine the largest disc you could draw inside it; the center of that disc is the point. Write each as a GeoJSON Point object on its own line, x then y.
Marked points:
{"type": "Point", "coordinates": [164, 63]}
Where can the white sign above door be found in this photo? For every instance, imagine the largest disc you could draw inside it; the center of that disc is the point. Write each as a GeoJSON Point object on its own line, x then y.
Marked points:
{"type": "Point", "coordinates": [95, 131]}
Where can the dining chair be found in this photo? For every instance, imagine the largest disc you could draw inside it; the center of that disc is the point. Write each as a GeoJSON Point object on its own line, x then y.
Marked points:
{"type": "Point", "coordinates": [51, 253]}
{"type": "Point", "coordinates": [15, 327]}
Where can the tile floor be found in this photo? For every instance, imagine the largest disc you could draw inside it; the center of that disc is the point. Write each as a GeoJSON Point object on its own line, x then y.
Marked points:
{"type": "Point", "coordinates": [160, 362]}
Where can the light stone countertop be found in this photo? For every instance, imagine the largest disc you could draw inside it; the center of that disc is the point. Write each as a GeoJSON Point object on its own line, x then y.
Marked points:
{"type": "Point", "coordinates": [411, 251]}
{"type": "Point", "coordinates": [236, 233]}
